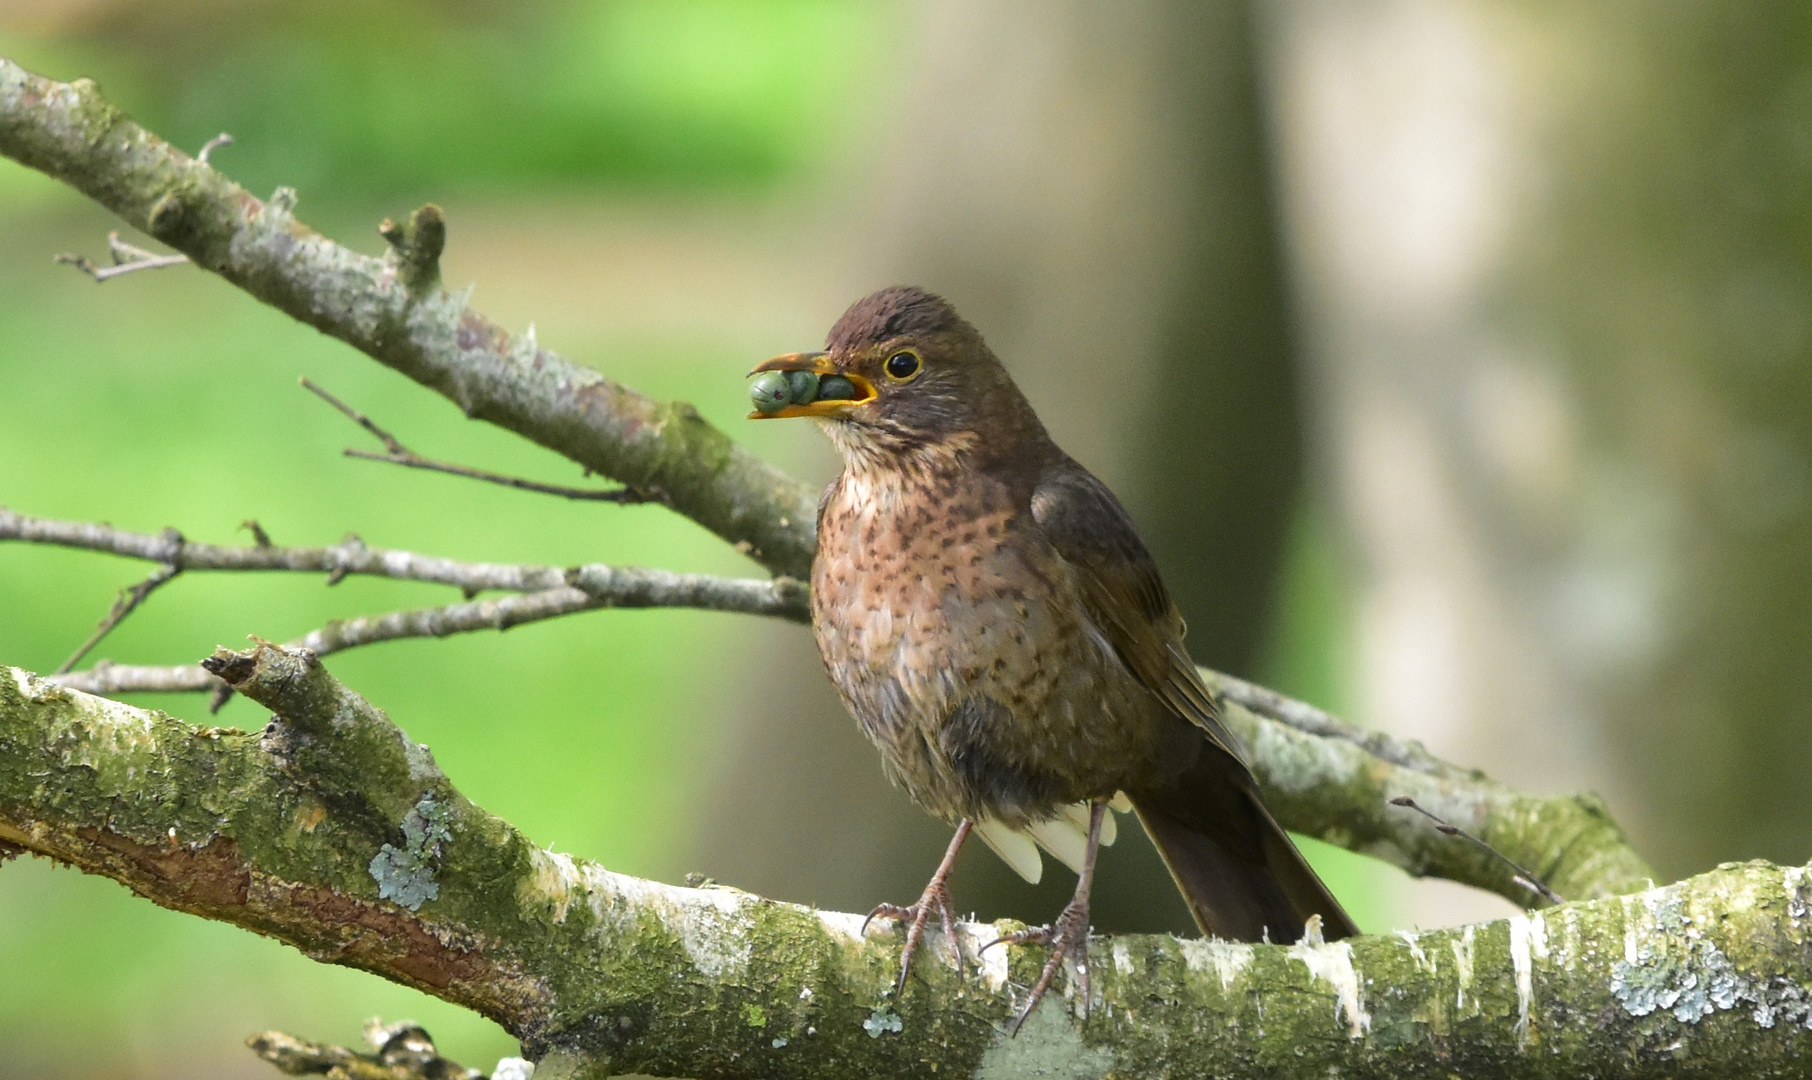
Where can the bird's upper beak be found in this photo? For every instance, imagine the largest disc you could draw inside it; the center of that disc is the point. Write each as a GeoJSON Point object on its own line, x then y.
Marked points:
{"type": "Point", "coordinates": [820, 364]}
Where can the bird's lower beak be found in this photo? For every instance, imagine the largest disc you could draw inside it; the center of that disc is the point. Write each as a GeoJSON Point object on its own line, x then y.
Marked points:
{"type": "Point", "coordinates": [818, 364]}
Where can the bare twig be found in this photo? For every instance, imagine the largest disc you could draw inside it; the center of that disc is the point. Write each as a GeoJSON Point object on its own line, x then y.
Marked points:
{"type": "Point", "coordinates": [128, 601]}
{"type": "Point", "coordinates": [632, 587]}
{"type": "Point", "coordinates": [126, 259]}
{"type": "Point", "coordinates": [596, 587]}
{"type": "Point", "coordinates": [396, 453]}
{"type": "Point", "coordinates": [1522, 876]}
{"type": "Point", "coordinates": [207, 148]}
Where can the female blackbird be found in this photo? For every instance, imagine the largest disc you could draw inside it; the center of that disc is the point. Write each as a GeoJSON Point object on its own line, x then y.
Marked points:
{"type": "Point", "coordinates": [993, 621]}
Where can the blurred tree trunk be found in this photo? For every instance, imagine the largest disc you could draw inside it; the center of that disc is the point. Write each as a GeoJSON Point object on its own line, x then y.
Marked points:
{"type": "Point", "coordinates": [1557, 260]}
{"type": "Point", "coordinates": [1090, 185]}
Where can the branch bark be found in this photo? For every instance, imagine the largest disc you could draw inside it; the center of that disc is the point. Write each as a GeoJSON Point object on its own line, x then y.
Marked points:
{"type": "Point", "coordinates": [394, 310]}
{"type": "Point", "coordinates": [332, 831]}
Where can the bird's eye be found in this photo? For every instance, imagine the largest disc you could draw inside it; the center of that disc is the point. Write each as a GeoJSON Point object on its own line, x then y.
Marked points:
{"type": "Point", "coordinates": [903, 365]}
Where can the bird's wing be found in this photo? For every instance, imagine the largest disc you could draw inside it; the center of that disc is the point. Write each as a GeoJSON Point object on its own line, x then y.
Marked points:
{"type": "Point", "coordinates": [1089, 528]}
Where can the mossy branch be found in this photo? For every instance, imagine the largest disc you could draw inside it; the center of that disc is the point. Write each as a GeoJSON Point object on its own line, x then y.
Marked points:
{"type": "Point", "coordinates": [333, 831]}
{"type": "Point", "coordinates": [394, 310]}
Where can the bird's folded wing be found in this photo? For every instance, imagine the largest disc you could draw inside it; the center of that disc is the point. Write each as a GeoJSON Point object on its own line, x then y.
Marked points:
{"type": "Point", "coordinates": [1124, 594]}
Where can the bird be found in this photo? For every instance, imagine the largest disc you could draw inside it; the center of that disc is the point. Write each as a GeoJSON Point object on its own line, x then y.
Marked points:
{"type": "Point", "coordinates": [992, 620]}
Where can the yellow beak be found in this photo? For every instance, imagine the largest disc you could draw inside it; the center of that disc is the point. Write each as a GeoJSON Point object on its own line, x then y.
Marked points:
{"type": "Point", "coordinates": [818, 364]}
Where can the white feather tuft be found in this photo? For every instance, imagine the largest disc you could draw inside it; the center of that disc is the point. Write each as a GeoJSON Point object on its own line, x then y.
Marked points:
{"type": "Point", "coordinates": [1015, 848]}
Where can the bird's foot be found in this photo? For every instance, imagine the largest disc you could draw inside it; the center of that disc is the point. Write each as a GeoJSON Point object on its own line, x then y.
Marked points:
{"type": "Point", "coordinates": [935, 901]}
{"type": "Point", "coordinates": [1067, 937]}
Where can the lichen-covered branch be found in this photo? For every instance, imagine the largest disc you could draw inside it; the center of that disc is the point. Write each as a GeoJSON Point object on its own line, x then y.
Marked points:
{"type": "Point", "coordinates": [331, 830]}
{"type": "Point", "coordinates": [394, 310]}
{"type": "Point", "coordinates": [1336, 790]}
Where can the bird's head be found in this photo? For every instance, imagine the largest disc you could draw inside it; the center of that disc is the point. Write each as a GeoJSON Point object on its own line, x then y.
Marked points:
{"type": "Point", "coordinates": [901, 371]}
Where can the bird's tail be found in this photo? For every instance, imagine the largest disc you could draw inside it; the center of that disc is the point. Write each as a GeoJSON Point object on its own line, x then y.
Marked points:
{"type": "Point", "coordinates": [1241, 876]}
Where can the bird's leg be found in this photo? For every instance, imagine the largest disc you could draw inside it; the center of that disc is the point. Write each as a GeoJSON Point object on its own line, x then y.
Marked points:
{"type": "Point", "coordinates": [1068, 936]}
{"type": "Point", "coordinates": [935, 900]}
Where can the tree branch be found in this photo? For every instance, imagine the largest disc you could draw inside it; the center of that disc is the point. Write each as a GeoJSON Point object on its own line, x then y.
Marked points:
{"type": "Point", "coordinates": [334, 832]}
{"type": "Point", "coordinates": [603, 587]}
{"type": "Point", "coordinates": [393, 310]}
{"type": "Point", "coordinates": [1322, 776]}
{"type": "Point", "coordinates": [611, 586]}
{"type": "Point", "coordinates": [126, 258]}
{"type": "Point", "coordinates": [125, 604]}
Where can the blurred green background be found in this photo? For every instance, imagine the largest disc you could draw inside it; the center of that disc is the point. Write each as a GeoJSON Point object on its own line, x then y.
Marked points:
{"type": "Point", "coordinates": [1453, 358]}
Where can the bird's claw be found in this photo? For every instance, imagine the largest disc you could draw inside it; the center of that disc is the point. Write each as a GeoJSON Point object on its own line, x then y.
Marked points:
{"type": "Point", "coordinates": [1068, 936]}
{"type": "Point", "coordinates": [935, 901]}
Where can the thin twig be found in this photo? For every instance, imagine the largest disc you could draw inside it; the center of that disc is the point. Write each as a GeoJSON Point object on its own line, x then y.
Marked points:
{"type": "Point", "coordinates": [207, 148]}
{"type": "Point", "coordinates": [501, 613]}
{"type": "Point", "coordinates": [1521, 876]}
{"type": "Point", "coordinates": [543, 592]}
{"type": "Point", "coordinates": [126, 259]}
{"type": "Point", "coordinates": [395, 453]}
{"type": "Point", "coordinates": [625, 586]}
{"type": "Point", "coordinates": [125, 604]}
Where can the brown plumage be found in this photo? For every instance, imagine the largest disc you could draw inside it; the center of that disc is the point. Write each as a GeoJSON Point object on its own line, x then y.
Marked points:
{"type": "Point", "coordinates": [993, 621]}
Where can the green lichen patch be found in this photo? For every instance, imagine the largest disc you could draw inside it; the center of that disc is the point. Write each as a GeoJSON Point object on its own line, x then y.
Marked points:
{"type": "Point", "coordinates": [881, 1022]}
{"type": "Point", "coordinates": [406, 874]}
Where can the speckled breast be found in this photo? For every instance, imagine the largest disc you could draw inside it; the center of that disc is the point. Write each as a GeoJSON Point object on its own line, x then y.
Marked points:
{"type": "Point", "coordinates": [932, 592]}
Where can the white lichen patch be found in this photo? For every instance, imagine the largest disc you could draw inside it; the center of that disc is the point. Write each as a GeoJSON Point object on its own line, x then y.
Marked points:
{"type": "Point", "coordinates": [34, 689]}
{"type": "Point", "coordinates": [105, 730]}
{"type": "Point", "coordinates": [991, 965]}
{"type": "Point", "coordinates": [422, 768]}
{"type": "Point", "coordinates": [842, 924]}
{"type": "Point", "coordinates": [1122, 955]}
{"type": "Point", "coordinates": [1670, 966]}
{"type": "Point", "coordinates": [553, 880]}
{"type": "Point", "coordinates": [1462, 963]}
{"type": "Point", "coordinates": [1798, 888]}
{"type": "Point", "coordinates": [1226, 959]}
{"type": "Point", "coordinates": [1414, 943]}
{"type": "Point", "coordinates": [1333, 964]}
{"type": "Point", "coordinates": [1528, 942]}
{"type": "Point", "coordinates": [713, 926]}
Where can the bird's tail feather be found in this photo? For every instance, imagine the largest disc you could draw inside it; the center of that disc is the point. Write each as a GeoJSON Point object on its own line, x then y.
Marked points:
{"type": "Point", "coordinates": [1241, 876]}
